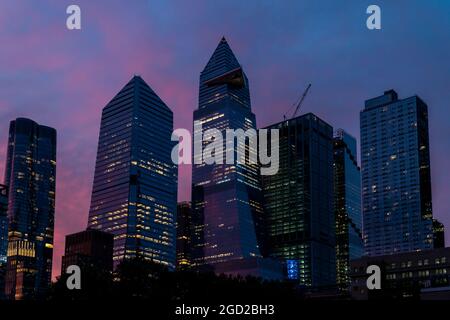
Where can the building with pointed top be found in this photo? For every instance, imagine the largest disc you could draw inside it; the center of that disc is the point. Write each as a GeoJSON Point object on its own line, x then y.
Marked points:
{"type": "Point", "coordinates": [134, 193]}
{"type": "Point", "coordinates": [226, 198]}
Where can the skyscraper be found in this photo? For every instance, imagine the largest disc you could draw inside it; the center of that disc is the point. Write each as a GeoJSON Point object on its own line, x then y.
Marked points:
{"type": "Point", "coordinates": [299, 211]}
{"type": "Point", "coordinates": [347, 206]}
{"type": "Point", "coordinates": [134, 193]}
{"type": "Point", "coordinates": [90, 248]}
{"type": "Point", "coordinates": [396, 181]}
{"type": "Point", "coordinates": [226, 198]}
{"type": "Point", "coordinates": [3, 236]}
{"type": "Point", "coordinates": [3, 223]}
{"type": "Point", "coordinates": [30, 177]}
{"type": "Point", "coordinates": [438, 234]}
{"type": "Point", "coordinates": [184, 235]}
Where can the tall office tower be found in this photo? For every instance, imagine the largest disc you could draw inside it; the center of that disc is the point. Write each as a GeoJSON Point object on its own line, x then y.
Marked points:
{"type": "Point", "coordinates": [134, 193]}
{"type": "Point", "coordinates": [347, 206]}
{"type": "Point", "coordinates": [438, 234]}
{"type": "Point", "coordinates": [226, 198]}
{"type": "Point", "coordinates": [299, 211]}
{"type": "Point", "coordinates": [3, 236]}
{"type": "Point", "coordinates": [396, 181]}
{"type": "Point", "coordinates": [90, 248]}
{"type": "Point", "coordinates": [184, 235]}
{"type": "Point", "coordinates": [30, 177]}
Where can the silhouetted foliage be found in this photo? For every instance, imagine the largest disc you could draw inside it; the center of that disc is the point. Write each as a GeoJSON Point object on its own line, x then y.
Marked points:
{"type": "Point", "coordinates": [95, 284]}
{"type": "Point", "coordinates": [138, 279]}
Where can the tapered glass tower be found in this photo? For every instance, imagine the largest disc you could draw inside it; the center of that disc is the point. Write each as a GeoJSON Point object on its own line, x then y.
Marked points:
{"type": "Point", "coordinates": [30, 178]}
{"type": "Point", "coordinates": [134, 194]}
{"type": "Point", "coordinates": [226, 198]}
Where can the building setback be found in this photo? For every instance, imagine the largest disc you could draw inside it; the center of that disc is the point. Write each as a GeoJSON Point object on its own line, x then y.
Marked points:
{"type": "Point", "coordinates": [299, 211]}
{"type": "Point", "coordinates": [135, 182]}
{"type": "Point", "coordinates": [347, 206]}
{"type": "Point", "coordinates": [396, 182]}
{"type": "Point", "coordinates": [30, 178]}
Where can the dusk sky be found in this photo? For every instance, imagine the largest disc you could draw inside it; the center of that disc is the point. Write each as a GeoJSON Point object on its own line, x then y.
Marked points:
{"type": "Point", "coordinates": [63, 78]}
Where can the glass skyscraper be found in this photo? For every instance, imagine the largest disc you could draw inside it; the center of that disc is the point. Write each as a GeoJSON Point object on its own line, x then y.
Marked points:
{"type": "Point", "coordinates": [3, 236]}
{"type": "Point", "coordinates": [347, 206]}
{"type": "Point", "coordinates": [396, 181]}
{"type": "Point", "coordinates": [30, 177]}
{"type": "Point", "coordinates": [134, 193]}
{"type": "Point", "coordinates": [299, 211]}
{"type": "Point", "coordinates": [226, 198]}
{"type": "Point", "coordinates": [184, 235]}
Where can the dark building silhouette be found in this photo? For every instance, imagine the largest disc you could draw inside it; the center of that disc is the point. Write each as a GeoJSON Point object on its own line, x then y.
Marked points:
{"type": "Point", "coordinates": [226, 198]}
{"type": "Point", "coordinates": [409, 275]}
{"type": "Point", "coordinates": [3, 236]}
{"type": "Point", "coordinates": [134, 192]}
{"type": "Point", "coordinates": [30, 177]}
{"type": "Point", "coordinates": [299, 211]}
{"type": "Point", "coordinates": [438, 234]}
{"type": "Point", "coordinates": [347, 206]}
{"type": "Point", "coordinates": [90, 248]}
{"type": "Point", "coordinates": [184, 235]}
{"type": "Point", "coordinates": [395, 152]}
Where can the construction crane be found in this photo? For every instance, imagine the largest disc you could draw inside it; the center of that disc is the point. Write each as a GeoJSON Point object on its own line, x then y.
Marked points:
{"type": "Point", "coordinates": [298, 105]}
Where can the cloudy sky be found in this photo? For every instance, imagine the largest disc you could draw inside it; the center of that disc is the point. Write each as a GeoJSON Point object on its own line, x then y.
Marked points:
{"type": "Point", "coordinates": [64, 78]}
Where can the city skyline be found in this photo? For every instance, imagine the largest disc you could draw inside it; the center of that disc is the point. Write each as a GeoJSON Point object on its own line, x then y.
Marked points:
{"type": "Point", "coordinates": [76, 91]}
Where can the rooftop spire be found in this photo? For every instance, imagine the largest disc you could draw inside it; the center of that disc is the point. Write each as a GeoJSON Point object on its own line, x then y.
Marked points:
{"type": "Point", "coordinates": [223, 59]}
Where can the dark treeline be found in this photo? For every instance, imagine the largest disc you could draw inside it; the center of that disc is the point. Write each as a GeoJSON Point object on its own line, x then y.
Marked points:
{"type": "Point", "coordinates": [138, 279]}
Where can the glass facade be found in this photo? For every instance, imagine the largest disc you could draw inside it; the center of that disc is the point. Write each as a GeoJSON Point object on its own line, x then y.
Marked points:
{"type": "Point", "coordinates": [134, 193]}
{"type": "Point", "coordinates": [30, 177]}
{"type": "Point", "coordinates": [184, 235]}
{"type": "Point", "coordinates": [299, 212]}
{"type": "Point", "coordinates": [347, 206]}
{"type": "Point", "coordinates": [3, 236]}
{"type": "Point", "coordinates": [3, 223]}
{"type": "Point", "coordinates": [396, 181]}
{"type": "Point", "coordinates": [226, 198]}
